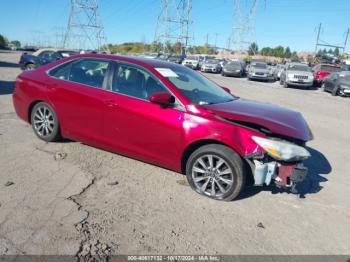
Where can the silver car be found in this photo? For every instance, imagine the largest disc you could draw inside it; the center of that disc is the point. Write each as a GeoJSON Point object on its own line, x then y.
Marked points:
{"type": "Point", "coordinates": [211, 65]}
{"type": "Point", "coordinates": [278, 70]}
{"type": "Point", "coordinates": [259, 71]}
{"type": "Point", "coordinates": [192, 62]}
{"type": "Point", "coordinates": [297, 74]}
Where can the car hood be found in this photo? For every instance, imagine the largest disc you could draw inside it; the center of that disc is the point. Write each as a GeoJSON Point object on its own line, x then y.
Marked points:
{"type": "Point", "coordinates": [303, 73]}
{"type": "Point", "coordinates": [276, 119]}
{"type": "Point", "coordinates": [190, 60]}
{"type": "Point", "coordinates": [232, 68]}
{"type": "Point", "coordinates": [260, 70]}
{"type": "Point", "coordinates": [208, 64]}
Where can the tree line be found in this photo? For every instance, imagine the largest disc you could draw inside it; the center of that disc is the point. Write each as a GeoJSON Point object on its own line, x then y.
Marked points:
{"type": "Point", "coordinates": [278, 51]}
{"type": "Point", "coordinates": [156, 47]}
{"type": "Point", "coordinates": [4, 42]}
{"type": "Point", "coordinates": [285, 52]}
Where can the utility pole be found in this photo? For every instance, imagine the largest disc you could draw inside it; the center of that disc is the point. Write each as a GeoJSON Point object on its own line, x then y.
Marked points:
{"type": "Point", "coordinates": [320, 42]}
{"type": "Point", "coordinates": [84, 29]}
{"type": "Point", "coordinates": [243, 30]}
{"type": "Point", "coordinates": [173, 24]}
{"type": "Point", "coordinates": [207, 41]}
{"type": "Point", "coordinates": [216, 39]}
{"type": "Point", "coordinates": [318, 37]}
{"type": "Point", "coordinates": [346, 39]}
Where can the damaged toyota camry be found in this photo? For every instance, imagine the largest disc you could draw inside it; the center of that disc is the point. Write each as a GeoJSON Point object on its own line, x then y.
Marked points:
{"type": "Point", "coordinates": [168, 115]}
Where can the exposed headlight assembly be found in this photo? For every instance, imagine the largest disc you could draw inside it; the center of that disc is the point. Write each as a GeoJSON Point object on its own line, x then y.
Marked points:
{"type": "Point", "coordinates": [282, 150]}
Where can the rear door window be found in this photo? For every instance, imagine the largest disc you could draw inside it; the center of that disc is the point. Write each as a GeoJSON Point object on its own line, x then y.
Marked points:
{"type": "Point", "coordinates": [89, 72]}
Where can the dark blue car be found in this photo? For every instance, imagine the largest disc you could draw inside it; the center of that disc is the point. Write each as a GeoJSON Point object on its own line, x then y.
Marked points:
{"type": "Point", "coordinates": [42, 57]}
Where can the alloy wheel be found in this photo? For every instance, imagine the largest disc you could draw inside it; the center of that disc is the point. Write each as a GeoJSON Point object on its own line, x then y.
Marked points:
{"type": "Point", "coordinates": [44, 122]}
{"type": "Point", "coordinates": [212, 175]}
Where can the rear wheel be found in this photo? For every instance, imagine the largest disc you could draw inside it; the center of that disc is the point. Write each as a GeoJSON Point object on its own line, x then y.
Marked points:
{"type": "Point", "coordinates": [45, 123]}
{"type": "Point", "coordinates": [216, 171]}
{"type": "Point", "coordinates": [29, 67]}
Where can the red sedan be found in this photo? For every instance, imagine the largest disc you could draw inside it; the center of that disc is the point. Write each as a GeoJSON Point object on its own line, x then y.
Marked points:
{"type": "Point", "coordinates": [168, 115]}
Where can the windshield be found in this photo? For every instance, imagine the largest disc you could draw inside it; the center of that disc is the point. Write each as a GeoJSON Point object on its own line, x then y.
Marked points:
{"type": "Point", "coordinates": [192, 58]}
{"type": "Point", "coordinates": [260, 65]}
{"type": "Point", "coordinates": [198, 89]}
{"type": "Point", "coordinates": [213, 61]}
{"type": "Point", "coordinates": [234, 64]}
{"type": "Point", "coordinates": [329, 68]}
{"type": "Point", "coordinates": [299, 68]}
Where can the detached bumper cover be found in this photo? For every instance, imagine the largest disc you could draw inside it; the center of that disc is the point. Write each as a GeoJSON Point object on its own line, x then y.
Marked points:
{"type": "Point", "coordinates": [284, 175]}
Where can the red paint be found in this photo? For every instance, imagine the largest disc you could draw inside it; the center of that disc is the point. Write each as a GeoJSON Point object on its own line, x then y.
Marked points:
{"type": "Point", "coordinates": [145, 130]}
{"type": "Point", "coordinates": [320, 75]}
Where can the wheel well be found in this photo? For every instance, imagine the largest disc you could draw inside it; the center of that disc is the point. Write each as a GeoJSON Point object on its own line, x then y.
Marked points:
{"type": "Point", "coordinates": [31, 108]}
{"type": "Point", "coordinates": [193, 147]}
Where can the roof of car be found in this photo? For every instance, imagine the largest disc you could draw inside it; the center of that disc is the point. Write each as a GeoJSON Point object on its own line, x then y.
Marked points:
{"type": "Point", "coordinates": [39, 51]}
{"type": "Point", "coordinates": [132, 59]}
{"type": "Point", "coordinates": [44, 49]}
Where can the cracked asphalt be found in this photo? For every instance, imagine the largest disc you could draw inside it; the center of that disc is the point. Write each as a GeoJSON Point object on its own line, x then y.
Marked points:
{"type": "Point", "coordinates": [70, 198]}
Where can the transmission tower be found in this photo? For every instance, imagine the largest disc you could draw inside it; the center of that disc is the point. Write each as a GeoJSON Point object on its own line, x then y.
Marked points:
{"type": "Point", "coordinates": [243, 30]}
{"type": "Point", "coordinates": [173, 24]}
{"type": "Point", "coordinates": [84, 29]}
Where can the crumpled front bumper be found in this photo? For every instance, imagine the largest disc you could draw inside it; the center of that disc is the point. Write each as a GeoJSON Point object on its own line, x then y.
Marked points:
{"type": "Point", "coordinates": [284, 175]}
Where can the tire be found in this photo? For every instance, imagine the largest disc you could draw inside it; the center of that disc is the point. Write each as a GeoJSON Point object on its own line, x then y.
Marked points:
{"type": "Point", "coordinates": [40, 113]}
{"type": "Point", "coordinates": [335, 91]}
{"type": "Point", "coordinates": [29, 67]}
{"type": "Point", "coordinates": [228, 178]}
{"type": "Point", "coordinates": [285, 85]}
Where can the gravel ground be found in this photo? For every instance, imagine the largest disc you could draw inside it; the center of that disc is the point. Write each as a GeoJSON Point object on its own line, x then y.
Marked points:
{"type": "Point", "coordinates": [70, 198]}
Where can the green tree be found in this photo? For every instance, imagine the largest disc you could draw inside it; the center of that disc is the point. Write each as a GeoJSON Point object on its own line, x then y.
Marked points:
{"type": "Point", "coordinates": [278, 51]}
{"type": "Point", "coordinates": [16, 43]}
{"type": "Point", "coordinates": [253, 49]}
{"type": "Point", "coordinates": [336, 51]}
{"type": "Point", "coordinates": [287, 52]}
{"type": "Point", "coordinates": [3, 41]}
{"type": "Point", "coordinates": [294, 57]}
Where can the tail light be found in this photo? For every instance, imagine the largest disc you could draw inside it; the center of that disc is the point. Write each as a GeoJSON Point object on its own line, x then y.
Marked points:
{"type": "Point", "coordinates": [321, 74]}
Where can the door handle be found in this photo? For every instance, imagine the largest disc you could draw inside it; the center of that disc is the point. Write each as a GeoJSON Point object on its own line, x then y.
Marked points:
{"type": "Point", "coordinates": [111, 103]}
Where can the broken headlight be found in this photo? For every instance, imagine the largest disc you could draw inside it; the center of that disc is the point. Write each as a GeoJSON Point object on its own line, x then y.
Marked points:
{"type": "Point", "coordinates": [282, 150]}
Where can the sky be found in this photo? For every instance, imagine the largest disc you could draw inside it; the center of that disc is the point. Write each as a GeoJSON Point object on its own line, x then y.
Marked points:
{"type": "Point", "coordinates": [290, 23]}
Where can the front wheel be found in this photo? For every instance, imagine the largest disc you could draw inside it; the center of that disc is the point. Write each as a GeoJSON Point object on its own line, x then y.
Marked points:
{"type": "Point", "coordinates": [216, 171]}
{"type": "Point", "coordinates": [45, 123]}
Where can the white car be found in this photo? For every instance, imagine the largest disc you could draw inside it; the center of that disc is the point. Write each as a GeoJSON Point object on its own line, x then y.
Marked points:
{"type": "Point", "coordinates": [297, 74]}
{"type": "Point", "coordinates": [192, 62]}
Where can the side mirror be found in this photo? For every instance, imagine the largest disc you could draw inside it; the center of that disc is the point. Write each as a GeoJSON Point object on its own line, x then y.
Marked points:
{"type": "Point", "coordinates": [162, 98]}
{"type": "Point", "coordinates": [227, 89]}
